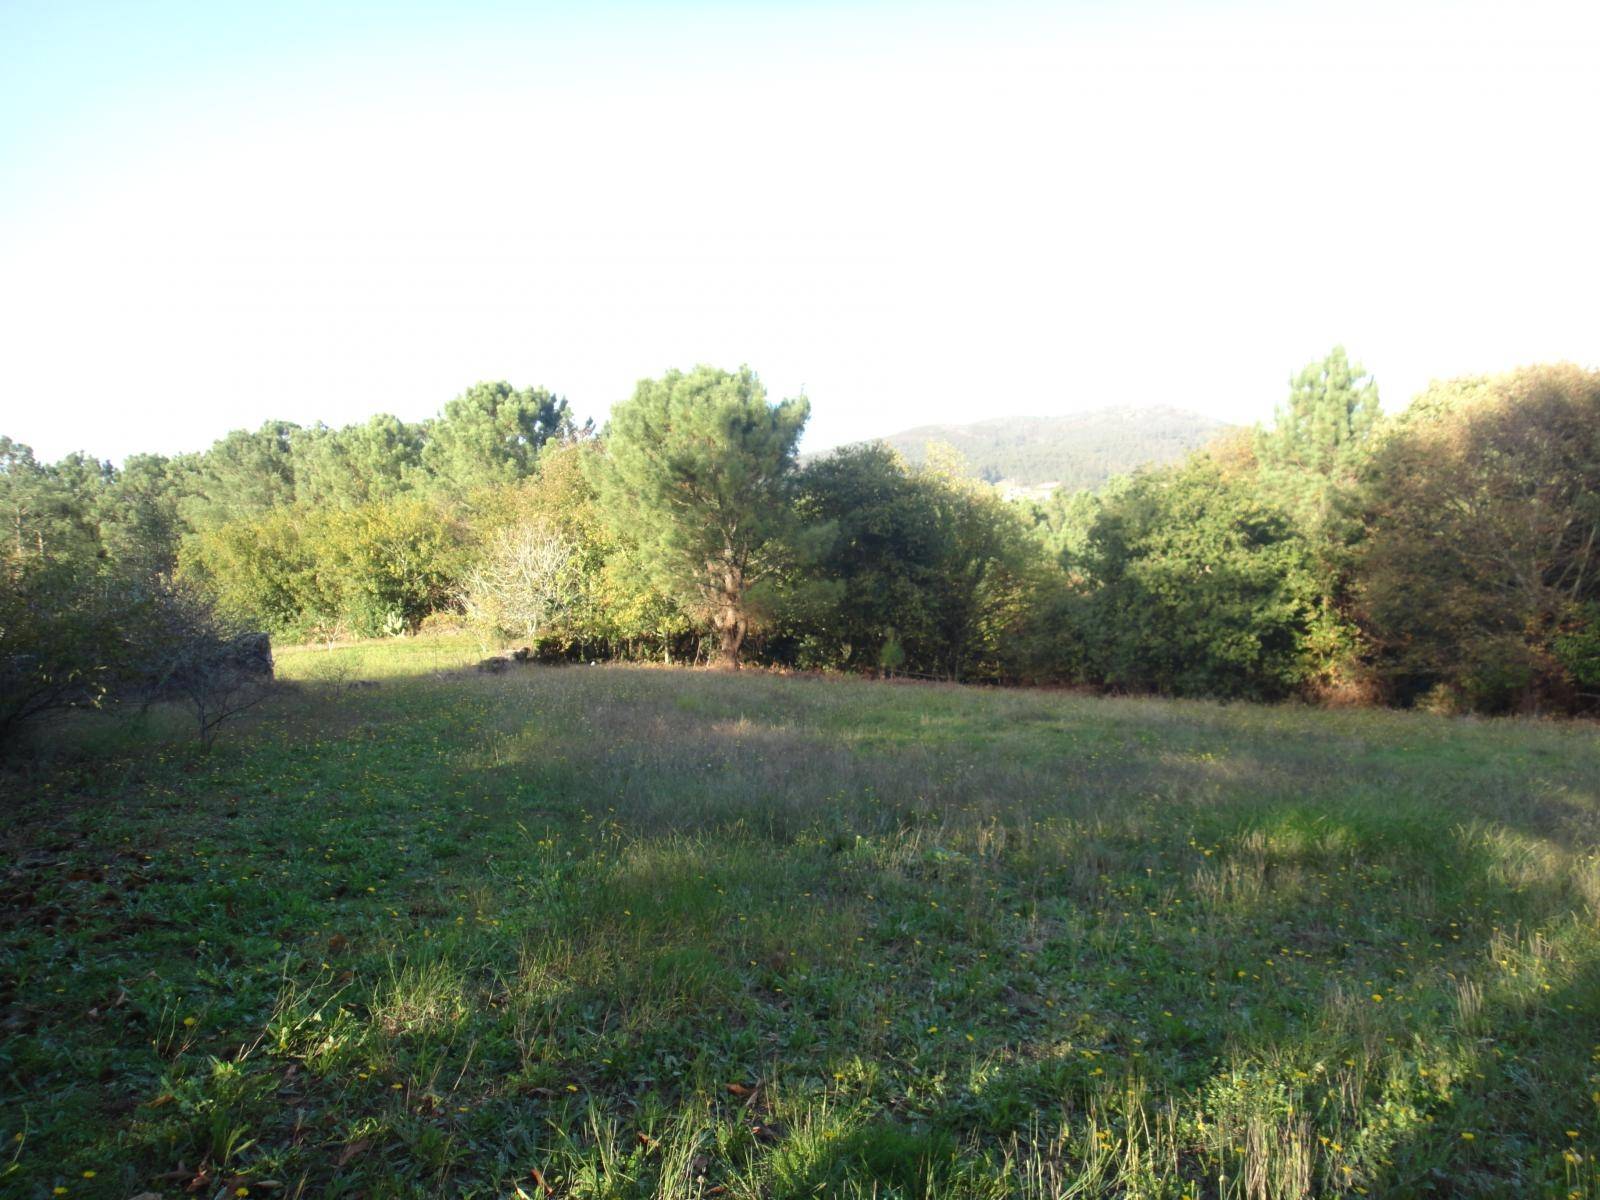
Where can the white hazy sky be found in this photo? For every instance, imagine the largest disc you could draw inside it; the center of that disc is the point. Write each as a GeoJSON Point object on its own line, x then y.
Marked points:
{"type": "Point", "coordinates": [215, 213]}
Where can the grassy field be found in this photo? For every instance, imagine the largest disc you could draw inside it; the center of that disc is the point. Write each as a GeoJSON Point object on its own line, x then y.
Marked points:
{"type": "Point", "coordinates": [410, 930]}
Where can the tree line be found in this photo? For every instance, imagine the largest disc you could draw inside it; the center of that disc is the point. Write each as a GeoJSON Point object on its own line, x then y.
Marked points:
{"type": "Point", "coordinates": [1445, 555]}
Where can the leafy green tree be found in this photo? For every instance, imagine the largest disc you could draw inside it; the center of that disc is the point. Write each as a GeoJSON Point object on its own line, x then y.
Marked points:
{"type": "Point", "coordinates": [491, 434]}
{"type": "Point", "coordinates": [1577, 649]}
{"type": "Point", "coordinates": [699, 473]}
{"type": "Point", "coordinates": [932, 567]}
{"type": "Point", "coordinates": [885, 539]}
{"type": "Point", "coordinates": [1308, 464]}
{"type": "Point", "coordinates": [374, 569]}
{"type": "Point", "coordinates": [979, 577]}
{"type": "Point", "coordinates": [85, 480]}
{"type": "Point", "coordinates": [1061, 520]}
{"type": "Point", "coordinates": [1191, 584]}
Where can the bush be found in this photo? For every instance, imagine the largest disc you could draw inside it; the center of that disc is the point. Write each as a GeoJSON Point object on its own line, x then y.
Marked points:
{"type": "Point", "coordinates": [372, 570]}
{"type": "Point", "coordinates": [1578, 649]}
{"type": "Point", "coordinates": [264, 572]}
{"type": "Point", "coordinates": [60, 644]}
{"type": "Point", "coordinates": [527, 577]}
{"type": "Point", "coordinates": [184, 649]}
{"type": "Point", "coordinates": [76, 636]}
{"type": "Point", "coordinates": [388, 565]}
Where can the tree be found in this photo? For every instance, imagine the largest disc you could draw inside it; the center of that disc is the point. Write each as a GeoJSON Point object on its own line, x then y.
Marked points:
{"type": "Point", "coordinates": [43, 512]}
{"type": "Point", "coordinates": [699, 470]}
{"type": "Point", "coordinates": [1308, 465]}
{"type": "Point", "coordinates": [243, 475]}
{"type": "Point", "coordinates": [885, 541]}
{"type": "Point", "coordinates": [140, 526]}
{"type": "Point", "coordinates": [1482, 562]}
{"type": "Point", "coordinates": [341, 468]}
{"type": "Point", "coordinates": [931, 567]}
{"type": "Point", "coordinates": [77, 634]}
{"type": "Point", "coordinates": [617, 609]}
{"type": "Point", "coordinates": [491, 434]}
{"type": "Point", "coordinates": [374, 569]}
{"type": "Point", "coordinates": [1577, 649]}
{"type": "Point", "coordinates": [1323, 427]}
{"type": "Point", "coordinates": [979, 575]}
{"type": "Point", "coordinates": [1191, 584]}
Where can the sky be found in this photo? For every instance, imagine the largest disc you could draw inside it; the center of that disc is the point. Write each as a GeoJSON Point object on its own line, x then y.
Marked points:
{"type": "Point", "coordinates": [212, 213]}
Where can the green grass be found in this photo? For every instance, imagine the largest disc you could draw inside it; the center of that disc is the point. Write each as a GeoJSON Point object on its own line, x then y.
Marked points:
{"type": "Point", "coordinates": [661, 933]}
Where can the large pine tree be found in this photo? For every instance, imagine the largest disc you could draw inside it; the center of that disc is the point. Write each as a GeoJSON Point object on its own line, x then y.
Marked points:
{"type": "Point", "coordinates": [697, 473]}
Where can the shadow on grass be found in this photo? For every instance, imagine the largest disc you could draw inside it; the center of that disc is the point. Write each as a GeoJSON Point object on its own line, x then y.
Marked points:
{"type": "Point", "coordinates": [668, 883]}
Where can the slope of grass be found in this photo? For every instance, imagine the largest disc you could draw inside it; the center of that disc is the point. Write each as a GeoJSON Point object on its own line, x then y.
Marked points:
{"type": "Point", "coordinates": [622, 932]}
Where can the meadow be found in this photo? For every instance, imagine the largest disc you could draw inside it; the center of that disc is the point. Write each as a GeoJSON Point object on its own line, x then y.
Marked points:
{"type": "Point", "coordinates": [414, 930]}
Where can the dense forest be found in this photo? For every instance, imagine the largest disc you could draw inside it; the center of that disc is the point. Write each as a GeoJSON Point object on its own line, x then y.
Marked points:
{"type": "Point", "coordinates": [1081, 450]}
{"type": "Point", "coordinates": [1445, 555]}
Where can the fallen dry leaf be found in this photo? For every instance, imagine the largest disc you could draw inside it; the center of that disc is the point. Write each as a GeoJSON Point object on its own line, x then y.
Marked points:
{"type": "Point", "coordinates": [350, 1151]}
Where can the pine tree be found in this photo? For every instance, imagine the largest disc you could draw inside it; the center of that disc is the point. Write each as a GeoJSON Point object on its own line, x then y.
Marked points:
{"type": "Point", "coordinates": [698, 472]}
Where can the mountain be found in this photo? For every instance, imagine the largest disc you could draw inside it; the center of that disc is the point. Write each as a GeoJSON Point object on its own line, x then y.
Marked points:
{"type": "Point", "coordinates": [1034, 455]}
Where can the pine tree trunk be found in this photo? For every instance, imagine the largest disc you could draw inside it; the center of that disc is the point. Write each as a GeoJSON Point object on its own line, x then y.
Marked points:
{"type": "Point", "coordinates": [730, 622]}
{"type": "Point", "coordinates": [731, 637]}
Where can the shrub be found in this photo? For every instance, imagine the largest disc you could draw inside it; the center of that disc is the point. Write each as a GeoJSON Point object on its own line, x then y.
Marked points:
{"type": "Point", "coordinates": [60, 645]}
{"type": "Point", "coordinates": [526, 578]}
{"type": "Point", "coordinates": [183, 648]}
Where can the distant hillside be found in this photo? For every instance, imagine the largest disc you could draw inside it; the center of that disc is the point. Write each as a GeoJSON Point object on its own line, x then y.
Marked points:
{"type": "Point", "coordinates": [1077, 451]}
